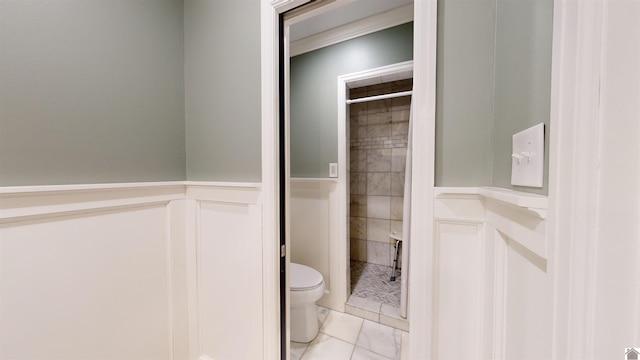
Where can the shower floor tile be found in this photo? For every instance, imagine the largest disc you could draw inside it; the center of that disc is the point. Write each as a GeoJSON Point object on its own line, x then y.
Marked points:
{"type": "Point", "coordinates": [371, 281]}
{"type": "Point", "coordinates": [373, 296]}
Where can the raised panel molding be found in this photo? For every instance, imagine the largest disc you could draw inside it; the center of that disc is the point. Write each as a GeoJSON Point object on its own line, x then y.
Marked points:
{"type": "Point", "coordinates": [229, 279]}
{"type": "Point", "coordinates": [187, 255]}
{"type": "Point", "coordinates": [97, 268]}
{"type": "Point", "coordinates": [494, 247]}
{"type": "Point", "coordinates": [224, 252]}
{"type": "Point", "coordinates": [458, 287]}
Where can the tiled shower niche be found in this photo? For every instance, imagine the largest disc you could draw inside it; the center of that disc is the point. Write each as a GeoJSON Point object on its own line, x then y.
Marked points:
{"type": "Point", "coordinates": [378, 147]}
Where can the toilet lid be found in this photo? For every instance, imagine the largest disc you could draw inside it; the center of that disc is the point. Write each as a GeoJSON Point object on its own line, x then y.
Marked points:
{"type": "Point", "coordinates": [303, 277]}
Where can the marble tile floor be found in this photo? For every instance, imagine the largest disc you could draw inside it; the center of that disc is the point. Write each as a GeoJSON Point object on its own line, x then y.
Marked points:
{"type": "Point", "coordinates": [345, 336]}
{"type": "Point", "coordinates": [374, 311]}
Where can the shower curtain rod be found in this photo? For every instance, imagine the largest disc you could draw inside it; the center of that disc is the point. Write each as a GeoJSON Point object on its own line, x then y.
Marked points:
{"type": "Point", "coordinates": [379, 97]}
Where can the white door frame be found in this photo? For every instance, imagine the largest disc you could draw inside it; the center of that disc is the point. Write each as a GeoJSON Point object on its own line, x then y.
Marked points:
{"type": "Point", "coordinates": [425, 28]}
{"type": "Point", "coordinates": [578, 30]}
{"type": "Point", "coordinates": [403, 70]}
{"type": "Point", "coordinates": [421, 331]}
{"type": "Point", "coordinates": [582, 126]}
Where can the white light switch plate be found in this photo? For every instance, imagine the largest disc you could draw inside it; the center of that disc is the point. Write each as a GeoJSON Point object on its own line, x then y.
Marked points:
{"type": "Point", "coordinates": [527, 157]}
{"type": "Point", "coordinates": [333, 170]}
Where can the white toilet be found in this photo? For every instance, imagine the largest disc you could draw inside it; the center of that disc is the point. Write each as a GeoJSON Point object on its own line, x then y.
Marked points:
{"type": "Point", "coordinates": [307, 287]}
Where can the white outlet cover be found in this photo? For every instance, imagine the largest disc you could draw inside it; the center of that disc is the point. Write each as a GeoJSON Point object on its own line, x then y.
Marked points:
{"type": "Point", "coordinates": [527, 159]}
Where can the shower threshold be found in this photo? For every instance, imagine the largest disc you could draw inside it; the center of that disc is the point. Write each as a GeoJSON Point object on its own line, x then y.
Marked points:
{"type": "Point", "coordinates": [375, 311]}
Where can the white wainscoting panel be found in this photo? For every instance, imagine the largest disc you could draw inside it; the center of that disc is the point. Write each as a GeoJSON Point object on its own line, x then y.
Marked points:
{"type": "Point", "coordinates": [310, 228]}
{"type": "Point", "coordinates": [225, 277]}
{"type": "Point", "coordinates": [493, 288]}
{"type": "Point", "coordinates": [132, 271]}
{"type": "Point", "coordinates": [91, 276]}
{"type": "Point", "coordinates": [527, 303]}
{"type": "Point", "coordinates": [524, 288]}
{"type": "Point", "coordinates": [458, 279]}
{"type": "Point", "coordinates": [314, 235]}
{"type": "Point", "coordinates": [519, 224]}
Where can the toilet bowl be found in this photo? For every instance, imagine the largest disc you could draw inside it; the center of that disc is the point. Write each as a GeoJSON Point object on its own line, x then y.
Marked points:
{"type": "Point", "coordinates": [306, 287]}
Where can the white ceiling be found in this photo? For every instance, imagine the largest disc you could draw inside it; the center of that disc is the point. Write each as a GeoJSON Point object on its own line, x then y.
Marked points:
{"type": "Point", "coordinates": [351, 12]}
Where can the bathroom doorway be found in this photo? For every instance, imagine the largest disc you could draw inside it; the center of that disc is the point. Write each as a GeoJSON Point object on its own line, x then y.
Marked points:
{"type": "Point", "coordinates": [313, 184]}
{"type": "Point", "coordinates": [374, 111]}
{"type": "Point", "coordinates": [424, 50]}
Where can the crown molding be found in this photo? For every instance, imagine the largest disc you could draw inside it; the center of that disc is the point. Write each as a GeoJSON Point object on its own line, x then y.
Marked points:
{"type": "Point", "coordinates": [385, 20]}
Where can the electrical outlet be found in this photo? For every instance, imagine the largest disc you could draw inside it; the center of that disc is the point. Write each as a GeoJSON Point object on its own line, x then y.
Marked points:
{"type": "Point", "coordinates": [527, 157]}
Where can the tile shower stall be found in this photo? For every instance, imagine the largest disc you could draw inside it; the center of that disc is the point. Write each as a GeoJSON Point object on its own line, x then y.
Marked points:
{"type": "Point", "coordinates": [378, 147]}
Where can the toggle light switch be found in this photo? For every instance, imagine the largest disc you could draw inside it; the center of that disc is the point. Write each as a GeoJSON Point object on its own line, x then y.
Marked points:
{"type": "Point", "coordinates": [517, 157]}
{"type": "Point", "coordinates": [527, 157]}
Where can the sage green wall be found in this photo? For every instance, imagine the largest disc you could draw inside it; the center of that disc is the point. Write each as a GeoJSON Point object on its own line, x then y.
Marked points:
{"type": "Point", "coordinates": [523, 80]}
{"type": "Point", "coordinates": [91, 91]}
{"type": "Point", "coordinates": [464, 92]}
{"type": "Point", "coordinates": [493, 80]}
{"type": "Point", "coordinates": [222, 90]}
{"type": "Point", "coordinates": [314, 112]}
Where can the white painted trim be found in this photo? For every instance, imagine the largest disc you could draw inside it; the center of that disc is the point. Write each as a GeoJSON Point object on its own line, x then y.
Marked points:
{"type": "Point", "coordinates": [30, 202]}
{"type": "Point", "coordinates": [192, 214]}
{"type": "Point", "coordinates": [535, 203]}
{"type": "Point", "coordinates": [230, 194]}
{"type": "Point", "coordinates": [424, 110]}
{"type": "Point", "coordinates": [287, 176]}
{"type": "Point", "coordinates": [379, 97]}
{"type": "Point", "coordinates": [313, 180]}
{"type": "Point", "coordinates": [169, 260]}
{"type": "Point", "coordinates": [223, 184]}
{"type": "Point", "coordinates": [505, 210]}
{"type": "Point", "coordinates": [281, 6]}
{"type": "Point", "coordinates": [341, 192]}
{"type": "Point", "coordinates": [31, 189]}
{"type": "Point", "coordinates": [575, 123]}
{"type": "Point", "coordinates": [385, 20]}
{"type": "Point", "coordinates": [177, 228]}
{"type": "Point", "coordinates": [33, 202]}
{"type": "Point", "coordinates": [84, 187]}
{"type": "Point", "coordinates": [399, 71]}
{"type": "Point", "coordinates": [499, 294]}
{"type": "Point", "coordinates": [269, 13]}
{"type": "Point", "coordinates": [321, 7]}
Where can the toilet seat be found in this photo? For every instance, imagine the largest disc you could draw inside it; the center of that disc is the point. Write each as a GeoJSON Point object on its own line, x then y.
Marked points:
{"type": "Point", "coordinates": [304, 278]}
